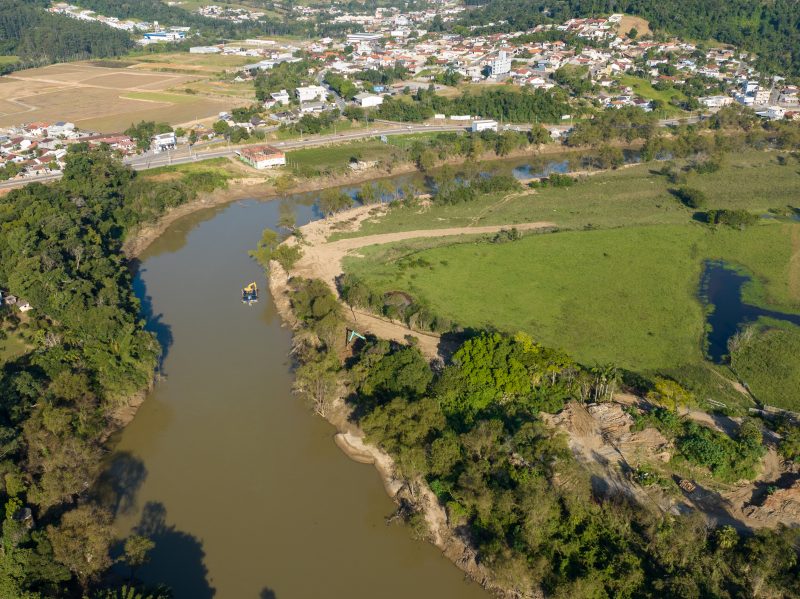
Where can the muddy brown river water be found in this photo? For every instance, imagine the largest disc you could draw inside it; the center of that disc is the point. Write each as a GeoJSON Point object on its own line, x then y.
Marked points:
{"type": "Point", "coordinates": [241, 487]}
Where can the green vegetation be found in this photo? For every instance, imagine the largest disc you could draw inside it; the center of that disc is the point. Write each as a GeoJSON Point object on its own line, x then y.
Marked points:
{"type": "Point", "coordinates": [749, 180]}
{"type": "Point", "coordinates": [766, 358]}
{"type": "Point", "coordinates": [334, 159]}
{"type": "Point", "coordinates": [61, 251]}
{"type": "Point", "coordinates": [665, 98]}
{"type": "Point", "coordinates": [473, 433]}
{"type": "Point", "coordinates": [643, 311]}
{"type": "Point", "coordinates": [12, 342]}
{"type": "Point", "coordinates": [37, 37]}
{"type": "Point", "coordinates": [728, 459]}
{"type": "Point", "coordinates": [516, 106]}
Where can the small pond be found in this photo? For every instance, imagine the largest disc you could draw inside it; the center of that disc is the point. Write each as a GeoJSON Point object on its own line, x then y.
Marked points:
{"type": "Point", "coordinates": [721, 289]}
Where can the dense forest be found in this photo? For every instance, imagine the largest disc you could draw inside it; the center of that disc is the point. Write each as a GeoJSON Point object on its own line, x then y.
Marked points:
{"type": "Point", "coordinates": [770, 29]}
{"type": "Point", "coordinates": [473, 431]}
{"type": "Point", "coordinates": [38, 37]}
{"type": "Point", "coordinates": [87, 355]}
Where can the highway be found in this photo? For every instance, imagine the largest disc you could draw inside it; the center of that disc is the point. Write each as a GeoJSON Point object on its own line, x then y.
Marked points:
{"type": "Point", "coordinates": [185, 154]}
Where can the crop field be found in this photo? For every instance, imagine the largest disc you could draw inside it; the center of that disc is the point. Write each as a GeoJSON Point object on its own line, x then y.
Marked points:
{"type": "Point", "coordinates": [752, 180]}
{"type": "Point", "coordinates": [104, 99]}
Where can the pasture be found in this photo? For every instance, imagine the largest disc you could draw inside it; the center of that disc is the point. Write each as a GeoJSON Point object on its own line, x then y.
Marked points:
{"type": "Point", "coordinates": [628, 295]}
{"type": "Point", "coordinates": [750, 180]}
{"type": "Point", "coordinates": [104, 98]}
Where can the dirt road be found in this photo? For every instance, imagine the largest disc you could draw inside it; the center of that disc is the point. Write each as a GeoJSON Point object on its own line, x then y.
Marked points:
{"type": "Point", "coordinates": [323, 260]}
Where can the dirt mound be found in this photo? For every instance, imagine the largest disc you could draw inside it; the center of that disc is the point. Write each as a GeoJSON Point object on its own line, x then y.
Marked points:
{"type": "Point", "coordinates": [782, 505]}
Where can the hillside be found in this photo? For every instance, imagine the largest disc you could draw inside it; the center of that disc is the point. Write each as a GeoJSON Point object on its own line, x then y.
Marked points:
{"type": "Point", "coordinates": [770, 29]}
{"type": "Point", "coordinates": [38, 37]}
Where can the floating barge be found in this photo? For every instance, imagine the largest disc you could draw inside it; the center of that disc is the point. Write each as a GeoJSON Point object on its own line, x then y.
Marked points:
{"type": "Point", "coordinates": [250, 293]}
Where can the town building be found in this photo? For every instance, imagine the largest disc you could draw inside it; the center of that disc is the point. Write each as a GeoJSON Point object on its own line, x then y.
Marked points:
{"type": "Point", "coordinates": [500, 65]}
{"type": "Point", "coordinates": [484, 125]}
{"type": "Point", "coordinates": [311, 93]}
{"type": "Point", "coordinates": [262, 157]}
{"type": "Point", "coordinates": [366, 100]}
{"type": "Point", "coordinates": [163, 142]}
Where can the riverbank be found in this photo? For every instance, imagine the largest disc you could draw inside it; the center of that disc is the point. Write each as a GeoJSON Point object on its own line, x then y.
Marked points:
{"type": "Point", "coordinates": [247, 187]}
{"type": "Point", "coordinates": [351, 439]}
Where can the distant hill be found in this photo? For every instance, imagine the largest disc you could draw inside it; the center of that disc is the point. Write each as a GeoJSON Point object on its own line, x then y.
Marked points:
{"type": "Point", "coordinates": [27, 30]}
{"type": "Point", "coordinates": [771, 28]}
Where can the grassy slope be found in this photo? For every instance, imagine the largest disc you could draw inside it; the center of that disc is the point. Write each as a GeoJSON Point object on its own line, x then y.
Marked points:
{"type": "Point", "coordinates": [12, 346]}
{"type": "Point", "coordinates": [749, 180]}
{"type": "Point", "coordinates": [769, 363]}
{"type": "Point", "coordinates": [645, 89]}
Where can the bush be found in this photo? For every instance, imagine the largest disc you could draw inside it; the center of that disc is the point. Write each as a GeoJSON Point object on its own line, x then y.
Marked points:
{"type": "Point", "coordinates": [691, 197]}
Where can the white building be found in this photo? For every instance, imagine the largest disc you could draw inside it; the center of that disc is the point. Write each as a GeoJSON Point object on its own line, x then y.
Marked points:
{"type": "Point", "coordinates": [487, 125]}
{"type": "Point", "coordinates": [204, 50]}
{"type": "Point", "coordinates": [355, 38]}
{"type": "Point", "coordinates": [163, 142]}
{"type": "Point", "coordinates": [500, 65]}
{"type": "Point", "coordinates": [281, 97]}
{"type": "Point", "coordinates": [262, 157]}
{"type": "Point", "coordinates": [311, 93]}
{"type": "Point", "coordinates": [366, 100]}
{"type": "Point", "coordinates": [716, 101]}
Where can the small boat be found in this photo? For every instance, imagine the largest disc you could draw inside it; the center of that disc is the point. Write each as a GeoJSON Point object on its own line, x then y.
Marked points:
{"type": "Point", "coordinates": [250, 293]}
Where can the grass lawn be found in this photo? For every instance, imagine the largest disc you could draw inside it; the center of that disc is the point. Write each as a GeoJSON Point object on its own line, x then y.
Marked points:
{"type": "Point", "coordinates": [768, 362]}
{"type": "Point", "coordinates": [625, 295]}
{"type": "Point", "coordinates": [8, 59]}
{"type": "Point", "coordinates": [12, 346]}
{"type": "Point", "coordinates": [645, 89]}
{"type": "Point", "coordinates": [749, 180]}
{"type": "Point", "coordinates": [338, 157]}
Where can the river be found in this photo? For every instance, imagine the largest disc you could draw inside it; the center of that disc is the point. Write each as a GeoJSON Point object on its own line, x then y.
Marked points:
{"type": "Point", "coordinates": [241, 487]}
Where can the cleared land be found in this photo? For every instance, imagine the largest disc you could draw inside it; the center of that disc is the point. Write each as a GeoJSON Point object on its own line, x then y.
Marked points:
{"type": "Point", "coordinates": [646, 90]}
{"type": "Point", "coordinates": [105, 99]}
{"type": "Point", "coordinates": [338, 157]}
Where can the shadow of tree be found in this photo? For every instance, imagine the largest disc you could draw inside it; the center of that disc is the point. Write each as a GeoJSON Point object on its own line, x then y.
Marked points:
{"type": "Point", "coordinates": [117, 486]}
{"type": "Point", "coordinates": [267, 594]}
{"type": "Point", "coordinates": [177, 559]}
{"type": "Point", "coordinates": [153, 322]}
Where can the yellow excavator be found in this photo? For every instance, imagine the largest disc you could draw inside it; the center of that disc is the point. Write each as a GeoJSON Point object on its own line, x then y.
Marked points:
{"type": "Point", "coordinates": [250, 293]}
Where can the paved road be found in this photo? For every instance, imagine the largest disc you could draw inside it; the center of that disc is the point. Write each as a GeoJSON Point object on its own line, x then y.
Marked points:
{"type": "Point", "coordinates": [184, 154]}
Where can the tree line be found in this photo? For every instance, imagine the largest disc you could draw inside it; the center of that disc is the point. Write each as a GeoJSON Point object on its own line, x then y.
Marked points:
{"type": "Point", "coordinates": [61, 251]}
{"type": "Point", "coordinates": [27, 30]}
{"type": "Point", "coordinates": [472, 431]}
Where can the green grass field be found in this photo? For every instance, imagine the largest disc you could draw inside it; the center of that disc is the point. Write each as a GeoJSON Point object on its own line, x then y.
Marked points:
{"type": "Point", "coordinates": [5, 59]}
{"type": "Point", "coordinates": [331, 158]}
{"type": "Point", "coordinates": [624, 295]}
{"type": "Point", "coordinates": [631, 196]}
{"type": "Point", "coordinates": [646, 90]}
{"type": "Point", "coordinates": [768, 362]}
